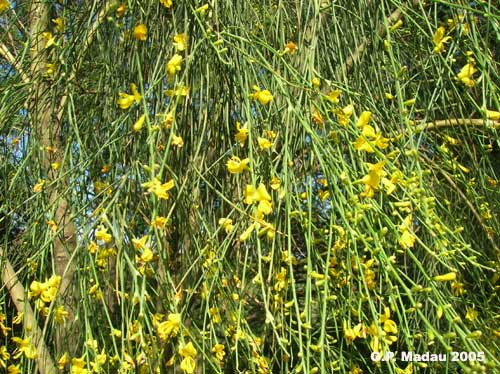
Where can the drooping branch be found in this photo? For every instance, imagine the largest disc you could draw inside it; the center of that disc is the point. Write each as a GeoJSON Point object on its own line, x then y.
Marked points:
{"type": "Point", "coordinates": [101, 17]}
{"type": "Point", "coordinates": [381, 32]}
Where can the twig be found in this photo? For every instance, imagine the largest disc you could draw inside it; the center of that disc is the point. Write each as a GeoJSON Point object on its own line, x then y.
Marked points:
{"type": "Point", "coordinates": [479, 122]}
{"type": "Point", "coordinates": [471, 207]}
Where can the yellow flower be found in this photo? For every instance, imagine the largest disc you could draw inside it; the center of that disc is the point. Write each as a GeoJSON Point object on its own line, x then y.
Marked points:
{"type": "Point", "coordinates": [100, 359]}
{"type": "Point", "coordinates": [170, 328]}
{"type": "Point", "coordinates": [446, 277]}
{"type": "Point", "coordinates": [389, 325]}
{"type": "Point", "coordinates": [363, 119]}
{"type": "Point", "coordinates": [218, 350]}
{"type": "Point", "coordinates": [53, 226]}
{"type": "Point", "coordinates": [14, 369]}
{"type": "Point", "coordinates": [323, 195]}
{"type": "Point", "coordinates": [159, 222]}
{"type": "Point", "coordinates": [140, 243]}
{"type": "Point", "coordinates": [264, 208]}
{"type": "Point", "coordinates": [397, 25]}
{"type": "Point", "coordinates": [390, 184]}
{"type": "Point", "coordinates": [62, 361]}
{"type": "Point", "coordinates": [139, 124]}
{"type": "Point", "coordinates": [102, 234]}
{"type": "Point", "coordinates": [370, 138]}
{"type": "Point", "coordinates": [49, 39]}
{"type": "Point", "coordinates": [350, 334]}
{"type": "Point", "coordinates": [290, 47]}
{"type": "Point", "coordinates": [168, 119]}
{"type": "Point", "coordinates": [242, 133]}
{"type": "Point", "coordinates": [117, 333]}
{"type": "Point", "coordinates": [334, 96]}
{"type": "Point", "coordinates": [227, 224]}
{"type": "Point", "coordinates": [236, 166]}
{"type": "Point", "coordinates": [263, 96]}
{"type": "Point", "coordinates": [120, 11]}
{"type": "Point", "coordinates": [180, 41]}
{"type": "Point", "coordinates": [4, 355]}
{"type": "Point", "coordinates": [166, 3]}
{"type": "Point", "coordinates": [264, 143]}
{"type": "Point", "coordinates": [39, 186]}
{"type": "Point", "coordinates": [281, 280]}
{"type": "Point", "coordinates": [318, 119]}
{"type": "Point", "coordinates": [177, 141]}
{"type": "Point", "coordinates": [174, 65]}
{"type": "Point", "coordinates": [146, 255]}
{"type": "Point", "coordinates": [246, 234]}
{"type": "Point", "coordinates": [407, 239]}
{"type": "Point", "coordinates": [78, 366]}
{"type": "Point", "coordinates": [466, 73]}
{"type": "Point", "coordinates": [25, 347]}
{"type": "Point", "coordinates": [158, 188]}
{"type": "Point", "coordinates": [471, 314]}
{"type": "Point", "coordinates": [202, 10]}
{"type": "Point", "coordinates": [316, 82]}
{"type": "Point", "coordinates": [188, 365]}
{"type": "Point", "coordinates": [253, 195]}
{"type": "Point", "coordinates": [372, 179]}
{"type": "Point", "coordinates": [60, 314]}
{"type": "Point", "coordinates": [188, 350]}
{"type": "Point", "coordinates": [18, 319]}
{"type": "Point", "coordinates": [126, 100]}
{"type": "Point", "coordinates": [275, 183]}
{"type": "Point", "coordinates": [344, 114]}
{"type": "Point", "coordinates": [140, 32]}
{"type": "Point", "coordinates": [46, 291]}
{"type": "Point", "coordinates": [178, 91]}
{"type": "Point", "coordinates": [4, 5]}
{"type": "Point", "coordinates": [439, 39]}
{"type": "Point", "coordinates": [457, 288]}
{"type": "Point", "coordinates": [59, 22]}
{"type": "Point", "coordinates": [270, 134]}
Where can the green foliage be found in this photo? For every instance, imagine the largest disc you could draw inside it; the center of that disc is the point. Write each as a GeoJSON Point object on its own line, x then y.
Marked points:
{"type": "Point", "coordinates": [358, 215]}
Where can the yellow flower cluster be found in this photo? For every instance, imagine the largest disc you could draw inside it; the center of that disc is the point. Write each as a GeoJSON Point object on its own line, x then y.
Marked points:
{"type": "Point", "coordinates": [369, 138]}
{"type": "Point", "coordinates": [45, 291]}
{"type": "Point", "coordinates": [174, 65]}
{"type": "Point", "coordinates": [170, 328]}
{"type": "Point", "coordinates": [145, 254]}
{"type": "Point", "coordinates": [372, 179]}
{"type": "Point", "coordinates": [188, 353]}
{"type": "Point", "coordinates": [258, 195]}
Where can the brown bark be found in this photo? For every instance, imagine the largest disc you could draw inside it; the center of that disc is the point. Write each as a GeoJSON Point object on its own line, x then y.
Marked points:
{"type": "Point", "coordinates": [44, 123]}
